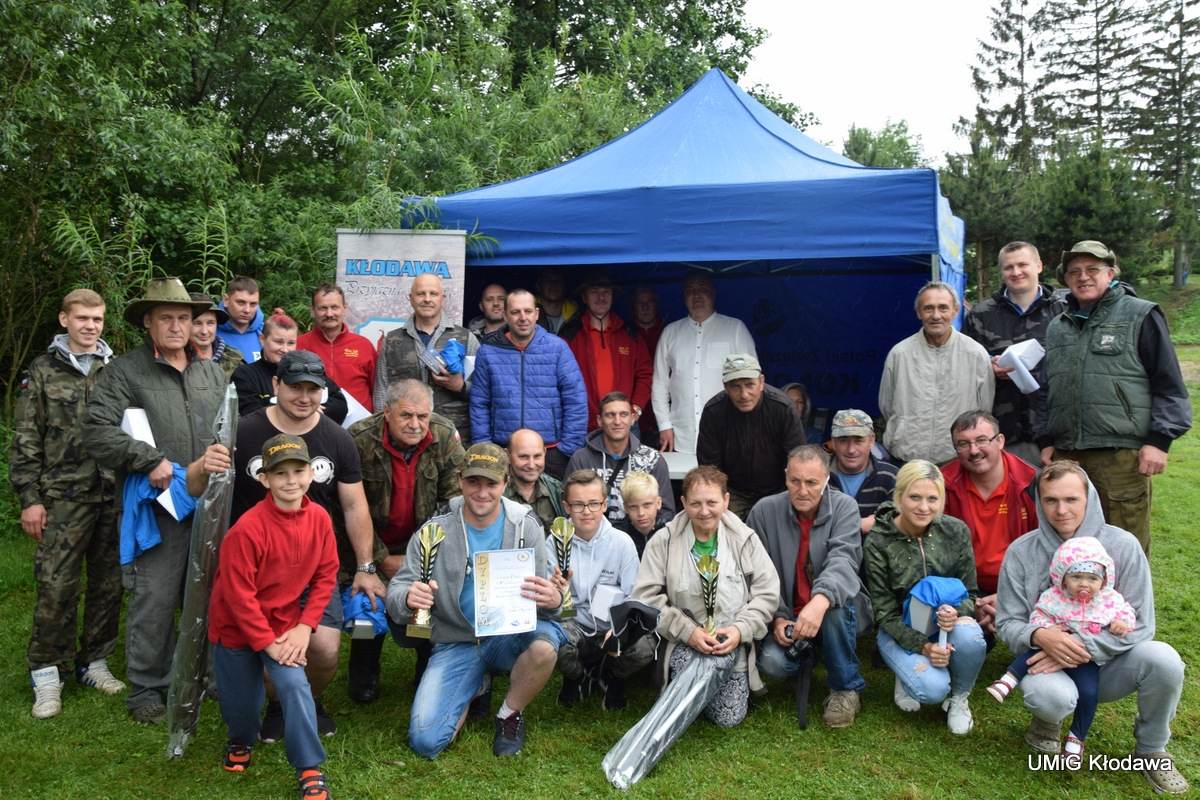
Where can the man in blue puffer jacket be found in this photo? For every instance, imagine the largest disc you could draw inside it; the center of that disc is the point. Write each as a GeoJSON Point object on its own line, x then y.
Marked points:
{"type": "Point", "coordinates": [527, 378]}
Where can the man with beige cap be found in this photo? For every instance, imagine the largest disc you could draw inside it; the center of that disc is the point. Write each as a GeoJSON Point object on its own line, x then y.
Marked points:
{"type": "Point", "coordinates": [747, 432]}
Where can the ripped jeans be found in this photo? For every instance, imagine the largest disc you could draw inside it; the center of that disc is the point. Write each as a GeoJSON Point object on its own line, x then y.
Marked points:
{"type": "Point", "coordinates": [928, 684]}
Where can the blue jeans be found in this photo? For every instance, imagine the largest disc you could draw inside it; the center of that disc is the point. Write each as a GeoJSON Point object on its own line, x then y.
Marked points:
{"type": "Point", "coordinates": [836, 639]}
{"type": "Point", "coordinates": [453, 678]}
{"type": "Point", "coordinates": [928, 684]}
{"type": "Point", "coordinates": [240, 680]}
{"type": "Point", "coordinates": [1087, 681]}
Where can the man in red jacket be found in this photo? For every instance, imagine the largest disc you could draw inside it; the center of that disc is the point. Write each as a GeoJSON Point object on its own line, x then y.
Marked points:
{"type": "Point", "coordinates": [610, 357]}
{"type": "Point", "coordinates": [988, 488]}
{"type": "Point", "coordinates": [349, 358]}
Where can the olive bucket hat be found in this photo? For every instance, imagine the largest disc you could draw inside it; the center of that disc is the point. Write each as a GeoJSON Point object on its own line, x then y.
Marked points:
{"type": "Point", "coordinates": [161, 292]}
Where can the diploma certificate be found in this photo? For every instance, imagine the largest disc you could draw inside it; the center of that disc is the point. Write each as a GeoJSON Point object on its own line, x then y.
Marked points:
{"type": "Point", "coordinates": [499, 607]}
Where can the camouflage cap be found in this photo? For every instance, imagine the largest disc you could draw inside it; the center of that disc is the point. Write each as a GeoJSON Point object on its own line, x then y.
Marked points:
{"type": "Point", "coordinates": [852, 422]}
{"type": "Point", "coordinates": [486, 460]}
{"type": "Point", "coordinates": [281, 448]}
{"type": "Point", "coordinates": [1088, 247]}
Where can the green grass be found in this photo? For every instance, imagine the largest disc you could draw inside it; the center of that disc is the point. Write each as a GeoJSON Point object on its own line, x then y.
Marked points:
{"type": "Point", "coordinates": [1181, 306]}
{"type": "Point", "coordinates": [93, 750]}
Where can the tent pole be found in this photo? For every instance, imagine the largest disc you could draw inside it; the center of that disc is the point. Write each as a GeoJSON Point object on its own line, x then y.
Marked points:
{"type": "Point", "coordinates": [935, 267]}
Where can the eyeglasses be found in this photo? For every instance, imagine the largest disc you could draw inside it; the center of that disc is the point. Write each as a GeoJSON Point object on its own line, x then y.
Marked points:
{"type": "Point", "coordinates": [591, 505]}
{"type": "Point", "coordinates": [1091, 272]}
{"type": "Point", "coordinates": [981, 442]}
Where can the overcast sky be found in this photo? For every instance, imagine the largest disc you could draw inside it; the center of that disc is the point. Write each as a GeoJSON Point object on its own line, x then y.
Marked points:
{"type": "Point", "coordinates": [869, 61]}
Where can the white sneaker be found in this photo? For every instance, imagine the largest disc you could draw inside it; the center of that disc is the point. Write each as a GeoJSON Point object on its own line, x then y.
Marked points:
{"type": "Point", "coordinates": [98, 676]}
{"type": "Point", "coordinates": [47, 692]}
{"type": "Point", "coordinates": [958, 714]}
{"type": "Point", "coordinates": [905, 701]}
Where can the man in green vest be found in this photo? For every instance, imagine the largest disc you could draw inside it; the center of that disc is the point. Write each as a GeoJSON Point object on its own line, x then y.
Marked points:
{"type": "Point", "coordinates": [1115, 395]}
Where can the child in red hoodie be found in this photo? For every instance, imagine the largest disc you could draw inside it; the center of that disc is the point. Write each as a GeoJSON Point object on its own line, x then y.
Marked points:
{"type": "Point", "coordinates": [278, 566]}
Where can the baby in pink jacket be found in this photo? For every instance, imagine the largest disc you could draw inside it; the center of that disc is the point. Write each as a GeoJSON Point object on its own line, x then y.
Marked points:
{"type": "Point", "coordinates": [1080, 599]}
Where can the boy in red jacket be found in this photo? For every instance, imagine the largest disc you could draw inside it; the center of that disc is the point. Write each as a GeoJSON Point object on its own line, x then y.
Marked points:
{"type": "Point", "coordinates": [278, 566]}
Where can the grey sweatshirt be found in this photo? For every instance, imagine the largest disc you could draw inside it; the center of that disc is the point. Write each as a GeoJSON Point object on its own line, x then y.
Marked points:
{"type": "Point", "coordinates": [521, 529]}
{"type": "Point", "coordinates": [1025, 574]}
{"type": "Point", "coordinates": [609, 558]}
{"type": "Point", "coordinates": [834, 547]}
{"type": "Point", "coordinates": [640, 457]}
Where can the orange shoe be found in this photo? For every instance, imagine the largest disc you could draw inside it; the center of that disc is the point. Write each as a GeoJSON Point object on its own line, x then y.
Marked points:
{"type": "Point", "coordinates": [313, 785]}
{"type": "Point", "coordinates": [237, 757]}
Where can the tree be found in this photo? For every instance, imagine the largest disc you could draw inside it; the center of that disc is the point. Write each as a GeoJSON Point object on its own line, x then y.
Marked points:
{"type": "Point", "coordinates": [1003, 77]}
{"type": "Point", "coordinates": [891, 146]}
{"type": "Point", "coordinates": [989, 194]}
{"type": "Point", "coordinates": [1166, 130]}
{"type": "Point", "coordinates": [1090, 192]}
{"type": "Point", "coordinates": [1089, 49]}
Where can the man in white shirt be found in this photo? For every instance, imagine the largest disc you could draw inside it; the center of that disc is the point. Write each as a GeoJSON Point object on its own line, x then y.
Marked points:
{"type": "Point", "coordinates": [688, 361]}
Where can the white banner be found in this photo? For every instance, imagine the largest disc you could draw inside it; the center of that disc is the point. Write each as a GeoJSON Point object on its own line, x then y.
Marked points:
{"type": "Point", "coordinates": [376, 270]}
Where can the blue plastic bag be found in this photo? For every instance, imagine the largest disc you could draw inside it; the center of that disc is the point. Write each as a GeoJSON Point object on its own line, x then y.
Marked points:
{"type": "Point", "coordinates": [453, 354]}
{"type": "Point", "coordinates": [355, 605]}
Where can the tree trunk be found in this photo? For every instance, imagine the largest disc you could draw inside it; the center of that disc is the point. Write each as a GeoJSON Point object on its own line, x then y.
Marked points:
{"type": "Point", "coordinates": [1181, 259]}
{"type": "Point", "coordinates": [980, 271]}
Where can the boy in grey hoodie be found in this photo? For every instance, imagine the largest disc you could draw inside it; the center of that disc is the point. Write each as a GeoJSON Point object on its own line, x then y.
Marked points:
{"type": "Point", "coordinates": [1068, 505]}
{"type": "Point", "coordinates": [601, 556]}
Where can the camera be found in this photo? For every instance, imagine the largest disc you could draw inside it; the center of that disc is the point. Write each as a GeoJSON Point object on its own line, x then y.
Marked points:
{"type": "Point", "coordinates": [799, 649]}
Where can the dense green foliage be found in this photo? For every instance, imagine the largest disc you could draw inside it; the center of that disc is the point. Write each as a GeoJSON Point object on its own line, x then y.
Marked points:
{"type": "Point", "coordinates": [893, 145]}
{"type": "Point", "coordinates": [205, 139]}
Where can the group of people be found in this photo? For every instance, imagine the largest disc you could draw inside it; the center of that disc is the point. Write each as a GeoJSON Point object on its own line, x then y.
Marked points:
{"type": "Point", "coordinates": [543, 410]}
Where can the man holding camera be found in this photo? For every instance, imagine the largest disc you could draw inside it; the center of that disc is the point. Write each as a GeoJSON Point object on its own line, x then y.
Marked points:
{"type": "Point", "coordinates": [812, 536]}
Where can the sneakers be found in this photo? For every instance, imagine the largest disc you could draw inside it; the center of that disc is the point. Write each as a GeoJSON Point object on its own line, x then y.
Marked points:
{"type": "Point", "coordinates": [98, 676]}
{"type": "Point", "coordinates": [958, 714]}
{"type": "Point", "coordinates": [237, 757]}
{"type": "Point", "coordinates": [841, 708]}
{"type": "Point", "coordinates": [614, 694]}
{"type": "Point", "coordinates": [152, 713]}
{"type": "Point", "coordinates": [510, 735]}
{"type": "Point", "coordinates": [1163, 778]}
{"type": "Point", "coordinates": [1073, 746]}
{"type": "Point", "coordinates": [313, 785]}
{"type": "Point", "coordinates": [47, 692]}
{"type": "Point", "coordinates": [904, 701]}
{"type": "Point", "coordinates": [1001, 688]}
{"type": "Point", "coordinates": [325, 724]}
{"type": "Point", "coordinates": [272, 724]}
{"type": "Point", "coordinates": [570, 693]}
{"type": "Point", "coordinates": [1042, 736]}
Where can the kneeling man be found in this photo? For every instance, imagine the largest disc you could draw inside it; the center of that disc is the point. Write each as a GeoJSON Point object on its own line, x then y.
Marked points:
{"type": "Point", "coordinates": [812, 534]}
{"type": "Point", "coordinates": [479, 520]}
{"type": "Point", "coordinates": [1069, 506]}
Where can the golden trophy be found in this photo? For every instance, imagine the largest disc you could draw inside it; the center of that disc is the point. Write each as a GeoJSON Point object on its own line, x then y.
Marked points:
{"type": "Point", "coordinates": [430, 539]}
{"type": "Point", "coordinates": [708, 567]}
{"type": "Point", "coordinates": [562, 531]}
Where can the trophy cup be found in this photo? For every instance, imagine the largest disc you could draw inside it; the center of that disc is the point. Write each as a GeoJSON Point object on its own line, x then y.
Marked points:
{"type": "Point", "coordinates": [430, 539]}
{"type": "Point", "coordinates": [708, 567]}
{"type": "Point", "coordinates": [562, 531]}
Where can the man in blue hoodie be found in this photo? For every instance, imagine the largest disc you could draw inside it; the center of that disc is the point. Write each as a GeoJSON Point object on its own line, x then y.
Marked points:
{"type": "Point", "coordinates": [526, 377]}
{"type": "Point", "coordinates": [1068, 506]}
{"type": "Point", "coordinates": [245, 322]}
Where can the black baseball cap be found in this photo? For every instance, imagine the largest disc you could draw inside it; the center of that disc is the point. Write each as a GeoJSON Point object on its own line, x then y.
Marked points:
{"type": "Point", "coordinates": [301, 366]}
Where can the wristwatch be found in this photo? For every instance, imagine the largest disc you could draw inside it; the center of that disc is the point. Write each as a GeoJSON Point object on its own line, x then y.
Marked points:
{"type": "Point", "coordinates": [368, 568]}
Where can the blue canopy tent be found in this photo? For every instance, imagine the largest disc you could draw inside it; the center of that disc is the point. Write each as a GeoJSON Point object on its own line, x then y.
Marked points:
{"type": "Point", "coordinates": [821, 257]}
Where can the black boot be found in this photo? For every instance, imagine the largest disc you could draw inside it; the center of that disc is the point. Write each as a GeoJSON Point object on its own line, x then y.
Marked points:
{"type": "Point", "coordinates": [364, 669]}
{"type": "Point", "coordinates": [423, 650]}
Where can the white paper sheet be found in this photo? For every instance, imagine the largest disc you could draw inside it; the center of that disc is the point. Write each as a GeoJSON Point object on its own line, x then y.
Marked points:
{"type": "Point", "coordinates": [1021, 358]}
{"type": "Point", "coordinates": [135, 423]}
{"type": "Point", "coordinates": [499, 607]}
{"type": "Point", "coordinates": [354, 410]}
{"type": "Point", "coordinates": [604, 597]}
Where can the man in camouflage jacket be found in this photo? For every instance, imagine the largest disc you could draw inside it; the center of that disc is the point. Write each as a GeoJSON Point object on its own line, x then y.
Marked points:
{"type": "Point", "coordinates": [67, 507]}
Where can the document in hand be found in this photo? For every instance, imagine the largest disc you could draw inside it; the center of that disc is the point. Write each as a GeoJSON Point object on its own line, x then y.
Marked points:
{"type": "Point", "coordinates": [1021, 358]}
{"type": "Point", "coordinates": [500, 609]}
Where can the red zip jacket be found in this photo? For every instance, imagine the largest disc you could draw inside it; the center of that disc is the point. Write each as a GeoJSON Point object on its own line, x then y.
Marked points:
{"type": "Point", "coordinates": [349, 360]}
{"type": "Point", "coordinates": [632, 364]}
{"type": "Point", "coordinates": [267, 560]}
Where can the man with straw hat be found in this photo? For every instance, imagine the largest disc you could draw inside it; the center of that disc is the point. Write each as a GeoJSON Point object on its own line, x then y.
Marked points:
{"type": "Point", "coordinates": [179, 395]}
